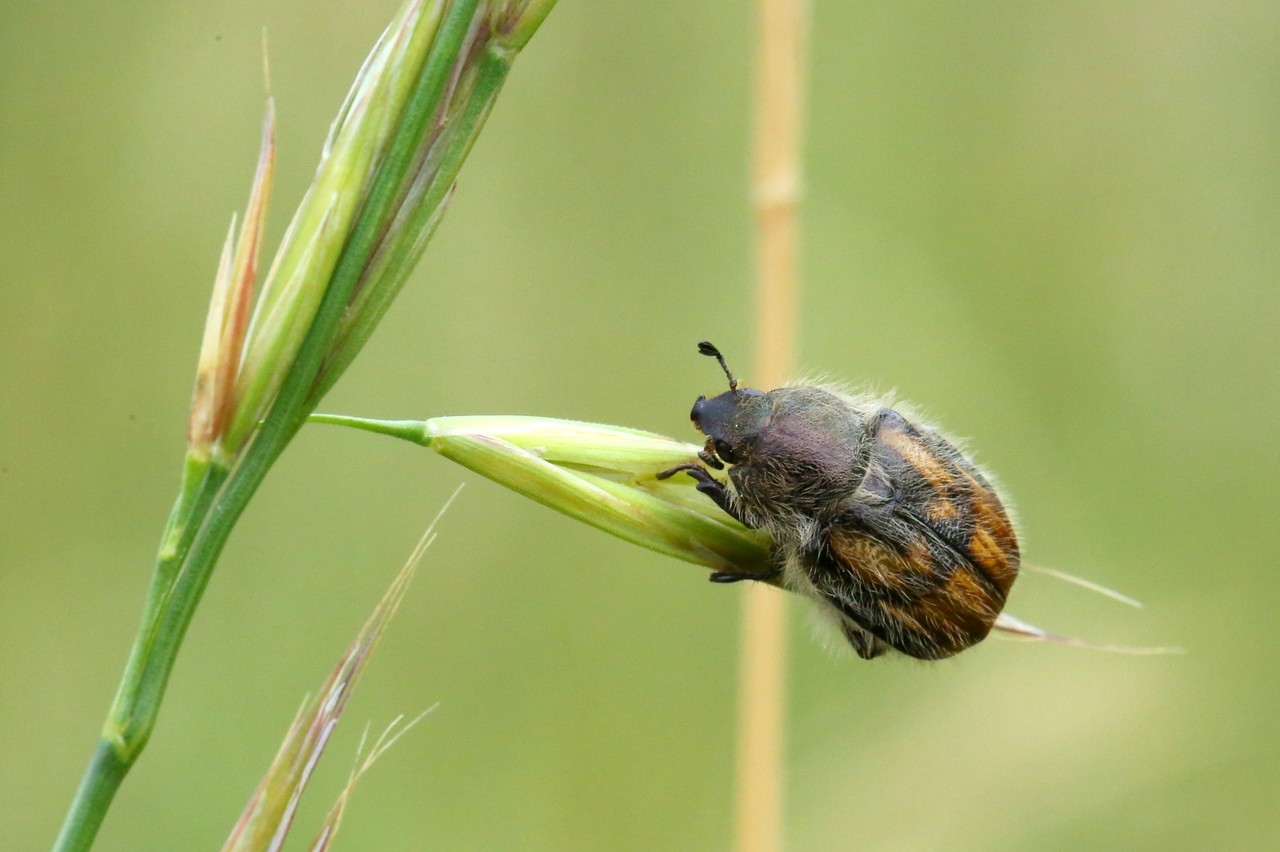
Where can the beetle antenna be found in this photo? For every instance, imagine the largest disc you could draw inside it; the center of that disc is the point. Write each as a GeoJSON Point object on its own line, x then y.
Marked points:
{"type": "Point", "coordinates": [708, 348]}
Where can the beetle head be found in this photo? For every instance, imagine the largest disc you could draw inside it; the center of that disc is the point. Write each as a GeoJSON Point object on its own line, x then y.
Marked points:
{"type": "Point", "coordinates": [732, 420]}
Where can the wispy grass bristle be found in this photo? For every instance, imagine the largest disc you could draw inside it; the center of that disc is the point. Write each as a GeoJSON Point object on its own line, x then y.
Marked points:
{"type": "Point", "coordinates": [268, 816]}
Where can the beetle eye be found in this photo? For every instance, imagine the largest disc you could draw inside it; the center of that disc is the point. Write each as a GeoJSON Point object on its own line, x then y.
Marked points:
{"type": "Point", "coordinates": [724, 451]}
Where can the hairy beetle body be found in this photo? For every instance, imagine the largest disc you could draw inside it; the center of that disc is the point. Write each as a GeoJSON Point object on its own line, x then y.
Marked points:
{"type": "Point", "coordinates": [881, 520]}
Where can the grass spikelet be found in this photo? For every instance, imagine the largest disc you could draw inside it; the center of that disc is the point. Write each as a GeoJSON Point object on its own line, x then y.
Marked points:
{"type": "Point", "coordinates": [268, 816]}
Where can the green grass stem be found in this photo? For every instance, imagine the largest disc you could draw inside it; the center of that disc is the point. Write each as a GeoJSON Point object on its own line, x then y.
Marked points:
{"type": "Point", "coordinates": [211, 501]}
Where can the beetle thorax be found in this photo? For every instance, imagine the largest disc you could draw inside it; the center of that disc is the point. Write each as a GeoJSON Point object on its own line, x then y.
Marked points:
{"type": "Point", "coordinates": [809, 457]}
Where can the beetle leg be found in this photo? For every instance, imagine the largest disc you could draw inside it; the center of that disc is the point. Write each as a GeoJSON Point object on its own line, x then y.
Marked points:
{"type": "Point", "coordinates": [719, 494]}
{"type": "Point", "coordinates": [689, 466]}
{"type": "Point", "coordinates": [729, 577]}
{"type": "Point", "coordinates": [769, 576]}
{"type": "Point", "coordinates": [712, 487]}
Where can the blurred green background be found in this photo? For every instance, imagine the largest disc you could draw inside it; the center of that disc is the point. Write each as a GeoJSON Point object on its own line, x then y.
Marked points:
{"type": "Point", "coordinates": [1054, 227]}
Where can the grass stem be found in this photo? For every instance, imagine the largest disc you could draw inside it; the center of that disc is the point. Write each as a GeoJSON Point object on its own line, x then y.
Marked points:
{"type": "Point", "coordinates": [776, 194]}
{"type": "Point", "coordinates": [212, 496]}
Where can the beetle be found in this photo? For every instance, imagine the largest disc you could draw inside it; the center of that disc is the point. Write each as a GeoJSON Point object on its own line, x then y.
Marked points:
{"type": "Point", "coordinates": [899, 537]}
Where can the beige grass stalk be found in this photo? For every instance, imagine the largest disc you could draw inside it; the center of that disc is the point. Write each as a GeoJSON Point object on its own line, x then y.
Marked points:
{"type": "Point", "coordinates": [776, 194]}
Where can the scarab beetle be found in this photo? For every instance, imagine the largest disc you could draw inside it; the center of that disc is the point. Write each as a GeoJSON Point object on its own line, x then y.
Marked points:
{"type": "Point", "coordinates": [896, 534]}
